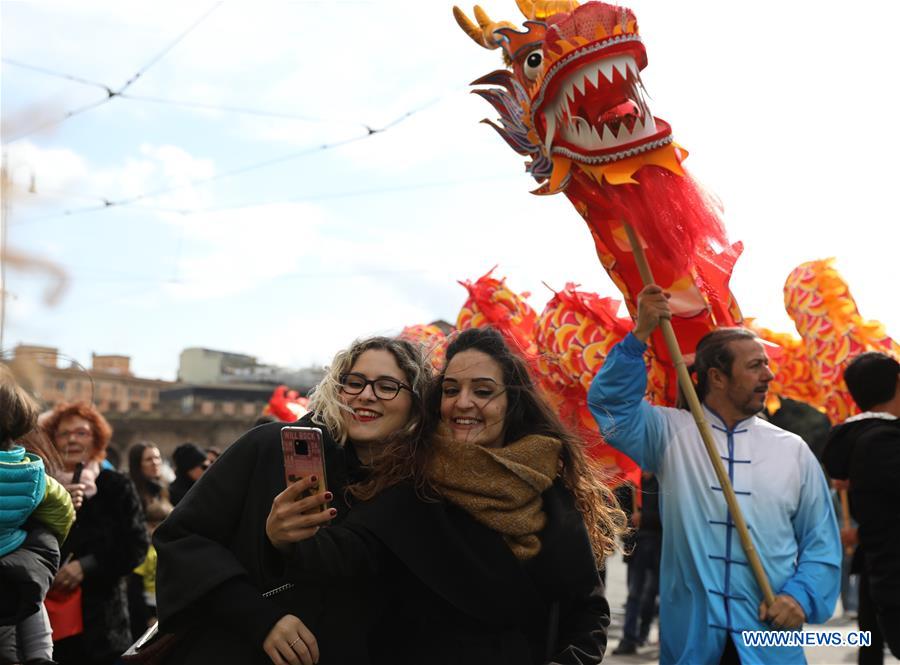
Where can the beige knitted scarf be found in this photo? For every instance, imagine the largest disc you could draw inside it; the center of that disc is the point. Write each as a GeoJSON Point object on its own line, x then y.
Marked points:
{"type": "Point", "coordinates": [500, 487]}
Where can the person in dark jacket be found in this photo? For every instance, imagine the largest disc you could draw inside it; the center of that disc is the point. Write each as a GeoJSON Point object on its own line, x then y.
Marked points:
{"type": "Point", "coordinates": [489, 536]}
{"type": "Point", "coordinates": [108, 539]}
{"type": "Point", "coordinates": [643, 567]}
{"type": "Point", "coordinates": [218, 583]}
{"type": "Point", "coordinates": [190, 463]}
{"type": "Point", "coordinates": [865, 450]}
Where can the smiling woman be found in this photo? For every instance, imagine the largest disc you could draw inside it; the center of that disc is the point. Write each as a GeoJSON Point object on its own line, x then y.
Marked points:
{"type": "Point", "coordinates": [219, 549]}
{"type": "Point", "coordinates": [474, 401]}
{"type": "Point", "coordinates": [379, 402]}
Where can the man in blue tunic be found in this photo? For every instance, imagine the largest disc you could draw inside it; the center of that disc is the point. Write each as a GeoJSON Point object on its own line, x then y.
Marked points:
{"type": "Point", "coordinates": [708, 594]}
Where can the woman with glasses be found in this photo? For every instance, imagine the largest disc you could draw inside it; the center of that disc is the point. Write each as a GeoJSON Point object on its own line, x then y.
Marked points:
{"type": "Point", "coordinates": [220, 585]}
{"type": "Point", "coordinates": [109, 537]}
{"type": "Point", "coordinates": [487, 533]}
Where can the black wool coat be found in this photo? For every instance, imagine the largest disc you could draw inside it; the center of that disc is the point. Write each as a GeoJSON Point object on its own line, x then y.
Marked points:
{"type": "Point", "coordinates": [26, 574]}
{"type": "Point", "coordinates": [179, 488]}
{"type": "Point", "coordinates": [867, 452]}
{"type": "Point", "coordinates": [109, 539]}
{"type": "Point", "coordinates": [215, 562]}
{"type": "Point", "coordinates": [457, 594]}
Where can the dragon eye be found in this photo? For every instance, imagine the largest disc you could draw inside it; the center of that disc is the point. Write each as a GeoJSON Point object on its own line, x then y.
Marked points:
{"type": "Point", "coordinates": [534, 64]}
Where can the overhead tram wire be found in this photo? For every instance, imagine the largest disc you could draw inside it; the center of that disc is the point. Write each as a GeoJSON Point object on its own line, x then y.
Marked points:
{"type": "Point", "coordinates": [328, 196]}
{"type": "Point", "coordinates": [110, 93]}
{"type": "Point", "coordinates": [223, 108]}
{"type": "Point", "coordinates": [370, 131]}
{"type": "Point", "coordinates": [56, 74]}
{"type": "Point", "coordinates": [298, 199]}
{"type": "Point", "coordinates": [116, 203]}
{"type": "Point", "coordinates": [243, 110]}
{"type": "Point", "coordinates": [168, 48]}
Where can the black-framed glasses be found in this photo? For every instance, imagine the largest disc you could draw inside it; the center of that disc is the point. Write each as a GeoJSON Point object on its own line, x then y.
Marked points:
{"type": "Point", "coordinates": [384, 387]}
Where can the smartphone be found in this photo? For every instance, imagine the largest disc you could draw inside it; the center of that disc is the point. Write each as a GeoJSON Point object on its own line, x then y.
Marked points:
{"type": "Point", "coordinates": [304, 456]}
{"type": "Point", "coordinates": [76, 476]}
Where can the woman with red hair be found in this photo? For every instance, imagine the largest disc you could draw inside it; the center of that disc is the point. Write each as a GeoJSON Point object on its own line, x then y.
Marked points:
{"type": "Point", "coordinates": [108, 540]}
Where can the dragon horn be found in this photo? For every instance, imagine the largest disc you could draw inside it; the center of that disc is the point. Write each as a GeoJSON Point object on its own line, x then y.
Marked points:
{"type": "Point", "coordinates": [483, 33]}
{"type": "Point", "coordinates": [484, 21]}
{"type": "Point", "coordinates": [478, 34]}
{"type": "Point", "coordinates": [538, 10]}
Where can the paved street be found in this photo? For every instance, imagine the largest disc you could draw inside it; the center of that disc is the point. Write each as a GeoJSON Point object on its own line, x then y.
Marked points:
{"type": "Point", "coordinates": [616, 591]}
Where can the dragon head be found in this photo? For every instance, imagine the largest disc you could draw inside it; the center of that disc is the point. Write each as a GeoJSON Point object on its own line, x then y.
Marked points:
{"type": "Point", "coordinates": [573, 93]}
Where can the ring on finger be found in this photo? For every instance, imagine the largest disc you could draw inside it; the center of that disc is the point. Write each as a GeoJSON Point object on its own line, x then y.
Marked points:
{"type": "Point", "coordinates": [291, 645]}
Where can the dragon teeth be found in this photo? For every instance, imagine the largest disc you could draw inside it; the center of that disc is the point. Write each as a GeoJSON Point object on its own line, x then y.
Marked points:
{"type": "Point", "coordinates": [550, 119]}
{"type": "Point", "coordinates": [606, 67]}
{"type": "Point", "coordinates": [579, 83]}
{"type": "Point", "coordinates": [632, 67]}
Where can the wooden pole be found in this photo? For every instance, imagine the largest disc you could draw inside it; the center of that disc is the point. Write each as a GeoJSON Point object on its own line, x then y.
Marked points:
{"type": "Point", "coordinates": [687, 388]}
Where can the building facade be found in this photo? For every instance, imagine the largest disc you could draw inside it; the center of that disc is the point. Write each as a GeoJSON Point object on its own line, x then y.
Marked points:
{"type": "Point", "coordinates": [108, 384]}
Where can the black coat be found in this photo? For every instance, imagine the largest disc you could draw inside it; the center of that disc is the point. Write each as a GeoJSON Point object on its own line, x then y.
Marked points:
{"type": "Point", "coordinates": [109, 539]}
{"type": "Point", "coordinates": [26, 574]}
{"type": "Point", "coordinates": [867, 452]}
{"type": "Point", "coordinates": [215, 562]}
{"type": "Point", "coordinates": [457, 593]}
{"type": "Point", "coordinates": [179, 488]}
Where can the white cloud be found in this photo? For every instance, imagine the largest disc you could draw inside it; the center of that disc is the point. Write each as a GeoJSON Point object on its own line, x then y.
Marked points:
{"type": "Point", "coordinates": [50, 168]}
{"type": "Point", "coordinates": [61, 173]}
{"type": "Point", "coordinates": [234, 251]}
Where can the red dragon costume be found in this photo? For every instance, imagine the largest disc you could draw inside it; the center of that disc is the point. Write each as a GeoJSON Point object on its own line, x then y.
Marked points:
{"type": "Point", "coordinates": [572, 101]}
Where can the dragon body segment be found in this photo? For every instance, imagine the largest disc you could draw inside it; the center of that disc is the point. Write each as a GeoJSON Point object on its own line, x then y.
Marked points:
{"type": "Point", "coordinates": [567, 343]}
{"type": "Point", "coordinates": [819, 301]}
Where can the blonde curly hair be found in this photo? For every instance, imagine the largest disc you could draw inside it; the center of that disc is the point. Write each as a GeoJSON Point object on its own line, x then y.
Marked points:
{"type": "Point", "coordinates": [325, 401]}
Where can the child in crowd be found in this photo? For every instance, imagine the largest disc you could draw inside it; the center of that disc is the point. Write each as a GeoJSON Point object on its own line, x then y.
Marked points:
{"type": "Point", "coordinates": [142, 582]}
{"type": "Point", "coordinates": [28, 558]}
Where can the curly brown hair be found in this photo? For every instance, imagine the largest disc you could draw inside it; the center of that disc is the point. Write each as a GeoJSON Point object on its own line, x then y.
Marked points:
{"type": "Point", "coordinates": [99, 427]}
{"type": "Point", "coordinates": [527, 413]}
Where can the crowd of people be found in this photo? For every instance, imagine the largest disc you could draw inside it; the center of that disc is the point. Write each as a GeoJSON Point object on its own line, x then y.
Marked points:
{"type": "Point", "coordinates": [77, 569]}
{"type": "Point", "coordinates": [461, 522]}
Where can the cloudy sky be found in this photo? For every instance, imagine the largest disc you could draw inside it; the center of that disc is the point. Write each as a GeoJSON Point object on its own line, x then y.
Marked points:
{"type": "Point", "coordinates": [235, 230]}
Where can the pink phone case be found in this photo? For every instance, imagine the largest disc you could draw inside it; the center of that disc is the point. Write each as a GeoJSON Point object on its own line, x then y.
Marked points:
{"type": "Point", "coordinates": [303, 456]}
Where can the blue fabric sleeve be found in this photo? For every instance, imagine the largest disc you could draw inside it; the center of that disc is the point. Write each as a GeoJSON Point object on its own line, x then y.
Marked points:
{"type": "Point", "coordinates": [817, 580]}
{"type": "Point", "coordinates": [616, 400]}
